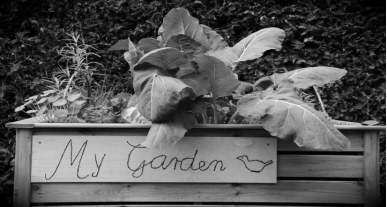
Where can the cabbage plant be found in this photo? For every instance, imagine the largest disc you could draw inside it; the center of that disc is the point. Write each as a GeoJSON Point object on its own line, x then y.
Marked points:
{"type": "Point", "coordinates": [189, 66]}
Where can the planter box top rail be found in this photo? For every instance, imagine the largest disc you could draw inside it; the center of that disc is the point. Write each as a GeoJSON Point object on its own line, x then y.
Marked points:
{"type": "Point", "coordinates": [36, 123]}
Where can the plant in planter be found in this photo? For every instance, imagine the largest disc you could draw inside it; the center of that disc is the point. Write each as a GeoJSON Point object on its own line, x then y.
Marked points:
{"type": "Point", "coordinates": [189, 67]}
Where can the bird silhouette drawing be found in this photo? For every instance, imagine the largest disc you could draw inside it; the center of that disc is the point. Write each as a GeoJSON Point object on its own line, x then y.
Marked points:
{"type": "Point", "coordinates": [254, 165]}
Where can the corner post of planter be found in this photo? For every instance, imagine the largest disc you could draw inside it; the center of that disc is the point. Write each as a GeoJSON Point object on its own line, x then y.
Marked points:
{"type": "Point", "coordinates": [371, 169]}
{"type": "Point", "coordinates": [22, 185]}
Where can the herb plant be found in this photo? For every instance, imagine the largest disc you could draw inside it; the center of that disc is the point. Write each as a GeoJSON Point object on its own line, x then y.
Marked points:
{"type": "Point", "coordinates": [189, 66]}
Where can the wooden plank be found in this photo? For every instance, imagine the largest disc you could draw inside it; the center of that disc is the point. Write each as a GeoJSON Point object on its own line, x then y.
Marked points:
{"type": "Point", "coordinates": [121, 159]}
{"type": "Point", "coordinates": [287, 192]}
{"type": "Point", "coordinates": [183, 206]}
{"type": "Point", "coordinates": [320, 166]}
{"type": "Point", "coordinates": [356, 137]}
{"type": "Point", "coordinates": [22, 179]}
{"type": "Point", "coordinates": [371, 169]}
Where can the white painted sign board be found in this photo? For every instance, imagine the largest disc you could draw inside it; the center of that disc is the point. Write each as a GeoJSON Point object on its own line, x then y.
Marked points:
{"type": "Point", "coordinates": [123, 159]}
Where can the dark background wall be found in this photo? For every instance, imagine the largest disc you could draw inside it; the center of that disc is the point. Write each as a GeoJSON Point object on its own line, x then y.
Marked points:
{"type": "Point", "coordinates": [345, 34]}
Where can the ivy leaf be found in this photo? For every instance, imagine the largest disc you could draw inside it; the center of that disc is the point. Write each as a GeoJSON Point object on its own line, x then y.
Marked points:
{"type": "Point", "coordinates": [222, 79]}
{"type": "Point", "coordinates": [307, 77]}
{"type": "Point", "coordinates": [172, 129]}
{"type": "Point", "coordinates": [251, 47]}
{"type": "Point", "coordinates": [166, 58]}
{"type": "Point", "coordinates": [185, 44]}
{"type": "Point", "coordinates": [198, 82]}
{"type": "Point", "coordinates": [160, 95]}
{"type": "Point", "coordinates": [215, 41]}
{"type": "Point", "coordinates": [148, 44]}
{"type": "Point", "coordinates": [179, 21]}
{"type": "Point", "coordinates": [285, 115]}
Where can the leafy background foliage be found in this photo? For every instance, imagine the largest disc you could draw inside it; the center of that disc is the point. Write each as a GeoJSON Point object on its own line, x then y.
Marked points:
{"type": "Point", "coordinates": [336, 33]}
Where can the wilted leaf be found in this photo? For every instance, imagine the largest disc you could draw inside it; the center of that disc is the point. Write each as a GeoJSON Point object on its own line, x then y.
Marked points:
{"type": "Point", "coordinates": [222, 79]}
{"type": "Point", "coordinates": [165, 58]}
{"type": "Point", "coordinates": [286, 116]}
{"type": "Point", "coordinates": [61, 113]}
{"type": "Point", "coordinates": [133, 116]}
{"type": "Point", "coordinates": [164, 134]}
{"type": "Point", "coordinates": [251, 47]}
{"type": "Point", "coordinates": [198, 82]}
{"type": "Point", "coordinates": [370, 122]}
{"type": "Point", "coordinates": [307, 77]}
{"type": "Point", "coordinates": [60, 102]}
{"type": "Point", "coordinates": [159, 96]}
{"type": "Point", "coordinates": [244, 88]}
{"type": "Point", "coordinates": [215, 41]}
{"type": "Point", "coordinates": [73, 97]}
{"type": "Point", "coordinates": [179, 21]}
{"type": "Point", "coordinates": [148, 44]}
{"type": "Point", "coordinates": [185, 44]}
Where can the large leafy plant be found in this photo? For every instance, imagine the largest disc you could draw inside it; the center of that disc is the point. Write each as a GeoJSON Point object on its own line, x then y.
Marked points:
{"type": "Point", "coordinates": [189, 66]}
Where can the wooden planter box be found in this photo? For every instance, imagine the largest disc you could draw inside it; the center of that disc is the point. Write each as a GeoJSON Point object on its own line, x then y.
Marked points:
{"type": "Point", "coordinates": [303, 176]}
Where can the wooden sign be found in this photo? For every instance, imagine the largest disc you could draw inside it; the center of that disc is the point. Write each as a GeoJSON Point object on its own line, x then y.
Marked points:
{"type": "Point", "coordinates": [123, 159]}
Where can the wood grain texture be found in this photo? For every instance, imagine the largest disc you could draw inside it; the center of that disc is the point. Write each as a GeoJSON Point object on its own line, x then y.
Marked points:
{"type": "Point", "coordinates": [22, 179]}
{"type": "Point", "coordinates": [287, 192]}
{"type": "Point", "coordinates": [371, 169]}
{"type": "Point", "coordinates": [117, 159]}
{"type": "Point", "coordinates": [320, 166]}
{"type": "Point", "coordinates": [356, 137]}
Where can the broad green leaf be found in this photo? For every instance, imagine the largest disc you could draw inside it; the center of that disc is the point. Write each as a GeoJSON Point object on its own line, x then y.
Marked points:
{"type": "Point", "coordinates": [42, 100]}
{"type": "Point", "coordinates": [133, 55]}
{"type": "Point", "coordinates": [307, 77]}
{"type": "Point", "coordinates": [31, 111]}
{"type": "Point", "coordinates": [164, 134]}
{"type": "Point", "coordinates": [159, 96]}
{"type": "Point", "coordinates": [222, 79]}
{"type": "Point", "coordinates": [45, 93]}
{"type": "Point", "coordinates": [188, 68]}
{"type": "Point", "coordinates": [60, 102]}
{"type": "Point", "coordinates": [199, 105]}
{"type": "Point", "coordinates": [120, 45]}
{"type": "Point", "coordinates": [185, 44]}
{"type": "Point", "coordinates": [179, 21]}
{"type": "Point", "coordinates": [148, 44]}
{"type": "Point", "coordinates": [73, 97]}
{"type": "Point", "coordinates": [41, 111]}
{"type": "Point", "coordinates": [285, 115]}
{"type": "Point", "coordinates": [251, 47]}
{"type": "Point", "coordinates": [215, 41]}
{"type": "Point", "coordinates": [263, 83]}
{"type": "Point", "coordinates": [19, 108]}
{"type": "Point", "coordinates": [61, 113]}
{"type": "Point", "coordinates": [165, 58]}
{"type": "Point", "coordinates": [53, 98]}
{"type": "Point", "coordinates": [198, 82]}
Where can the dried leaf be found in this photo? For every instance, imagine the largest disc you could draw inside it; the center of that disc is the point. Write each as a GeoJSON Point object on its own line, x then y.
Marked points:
{"type": "Point", "coordinates": [285, 115]}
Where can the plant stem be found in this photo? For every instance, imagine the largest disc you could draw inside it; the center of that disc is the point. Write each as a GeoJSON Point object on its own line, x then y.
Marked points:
{"type": "Point", "coordinates": [88, 89]}
{"type": "Point", "coordinates": [233, 117]}
{"type": "Point", "coordinates": [68, 84]}
{"type": "Point", "coordinates": [215, 110]}
{"type": "Point", "coordinates": [205, 118]}
{"type": "Point", "coordinates": [319, 98]}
